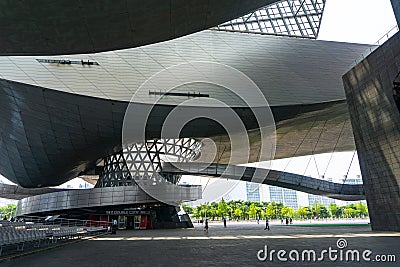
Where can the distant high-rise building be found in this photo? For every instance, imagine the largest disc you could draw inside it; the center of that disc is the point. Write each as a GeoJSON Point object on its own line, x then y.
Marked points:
{"type": "Point", "coordinates": [286, 196]}
{"type": "Point", "coordinates": [275, 194]}
{"type": "Point", "coordinates": [290, 198]}
{"type": "Point", "coordinates": [320, 199]}
{"type": "Point", "coordinates": [253, 192]}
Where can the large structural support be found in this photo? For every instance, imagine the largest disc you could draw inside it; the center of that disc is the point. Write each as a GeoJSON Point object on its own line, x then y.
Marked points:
{"type": "Point", "coordinates": [376, 124]}
{"type": "Point", "coordinates": [396, 9]}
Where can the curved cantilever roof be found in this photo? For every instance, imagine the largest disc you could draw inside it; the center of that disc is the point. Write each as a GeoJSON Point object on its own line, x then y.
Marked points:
{"type": "Point", "coordinates": [17, 192]}
{"type": "Point", "coordinates": [57, 120]}
{"type": "Point", "coordinates": [51, 27]}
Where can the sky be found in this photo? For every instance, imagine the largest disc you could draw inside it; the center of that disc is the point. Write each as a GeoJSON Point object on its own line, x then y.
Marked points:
{"type": "Point", "coordinates": [355, 21]}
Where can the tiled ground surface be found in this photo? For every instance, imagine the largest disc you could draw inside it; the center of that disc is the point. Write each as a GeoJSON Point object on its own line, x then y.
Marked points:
{"type": "Point", "coordinates": [237, 245]}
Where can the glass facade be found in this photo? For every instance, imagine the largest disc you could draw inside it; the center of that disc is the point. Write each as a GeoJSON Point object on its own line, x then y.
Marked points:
{"type": "Point", "coordinates": [297, 18]}
{"type": "Point", "coordinates": [286, 196]}
{"type": "Point", "coordinates": [253, 192]}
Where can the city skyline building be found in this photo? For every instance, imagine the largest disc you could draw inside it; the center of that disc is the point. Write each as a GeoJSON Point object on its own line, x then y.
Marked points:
{"type": "Point", "coordinates": [253, 192]}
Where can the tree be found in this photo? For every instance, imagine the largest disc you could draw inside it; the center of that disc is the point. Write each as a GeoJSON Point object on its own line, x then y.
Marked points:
{"type": "Point", "coordinates": [304, 212]}
{"type": "Point", "coordinates": [222, 210]}
{"type": "Point", "coordinates": [230, 211]}
{"type": "Point", "coordinates": [238, 213]}
{"type": "Point", "coordinates": [279, 207]}
{"type": "Point", "coordinates": [196, 213]}
{"type": "Point", "coordinates": [186, 208]}
{"type": "Point", "coordinates": [264, 204]}
{"type": "Point", "coordinates": [320, 210]}
{"type": "Point", "coordinates": [335, 210]}
{"type": "Point", "coordinates": [287, 212]}
{"type": "Point", "coordinates": [211, 212]}
{"type": "Point", "coordinates": [253, 211]}
{"type": "Point", "coordinates": [8, 211]}
{"type": "Point", "coordinates": [274, 210]}
{"type": "Point", "coordinates": [349, 212]}
{"type": "Point", "coordinates": [323, 212]}
{"type": "Point", "coordinates": [245, 208]}
{"type": "Point", "coordinates": [239, 209]}
{"type": "Point", "coordinates": [200, 211]}
{"type": "Point", "coordinates": [362, 209]}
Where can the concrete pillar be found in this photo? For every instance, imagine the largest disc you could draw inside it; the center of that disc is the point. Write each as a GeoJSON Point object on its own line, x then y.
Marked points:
{"type": "Point", "coordinates": [376, 125]}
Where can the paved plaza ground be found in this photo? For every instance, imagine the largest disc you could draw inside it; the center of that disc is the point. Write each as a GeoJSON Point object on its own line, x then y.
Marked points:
{"type": "Point", "coordinates": [236, 245]}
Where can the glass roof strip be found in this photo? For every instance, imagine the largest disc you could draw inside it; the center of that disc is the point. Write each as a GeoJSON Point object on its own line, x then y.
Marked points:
{"type": "Point", "coordinates": [297, 18]}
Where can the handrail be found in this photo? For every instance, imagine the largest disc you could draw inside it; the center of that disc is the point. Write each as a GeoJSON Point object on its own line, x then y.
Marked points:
{"type": "Point", "coordinates": [375, 45]}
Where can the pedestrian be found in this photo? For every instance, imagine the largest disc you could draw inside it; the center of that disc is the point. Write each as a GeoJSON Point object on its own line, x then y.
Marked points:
{"type": "Point", "coordinates": [281, 220]}
{"type": "Point", "coordinates": [291, 221]}
{"type": "Point", "coordinates": [224, 223]}
{"type": "Point", "coordinates": [287, 221]}
{"type": "Point", "coordinates": [206, 226]}
{"type": "Point", "coordinates": [114, 227]}
{"type": "Point", "coordinates": [266, 224]}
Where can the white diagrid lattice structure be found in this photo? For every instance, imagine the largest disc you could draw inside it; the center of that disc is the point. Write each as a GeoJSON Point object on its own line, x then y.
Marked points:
{"type": "Point", "coordinates": [142, 161]}
{"type": "Point", "coordinates": [115, 172]}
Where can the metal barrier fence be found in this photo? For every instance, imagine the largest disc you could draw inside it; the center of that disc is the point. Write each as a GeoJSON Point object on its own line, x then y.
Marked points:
{"type": "Point", "coordinates": [45, 230]}
{"type": "Point", "coordinates": [54, 220]}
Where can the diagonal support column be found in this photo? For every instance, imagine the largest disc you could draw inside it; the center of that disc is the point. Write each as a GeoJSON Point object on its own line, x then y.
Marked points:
{"type": "Point", "coordinates": [376, 124]}
{"type": "Point", "coordinates": [396, 9]}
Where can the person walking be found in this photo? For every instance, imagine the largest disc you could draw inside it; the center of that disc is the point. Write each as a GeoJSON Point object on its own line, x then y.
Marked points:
{"type": "Point", "coordinates": [114, 227]}
{"type": "Point", "coordinates": [206, 226]}
{"type": "Point", "coordinates": [266, 224]}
